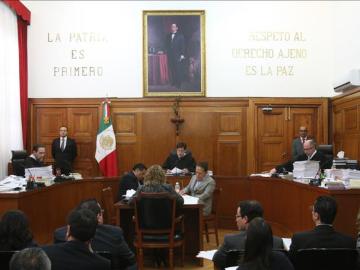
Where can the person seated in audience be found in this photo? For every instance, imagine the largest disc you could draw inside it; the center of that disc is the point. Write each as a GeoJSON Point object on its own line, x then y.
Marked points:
{"type": "Point", "coordinates": [323, 235]}
{"type": "Point", "coordinates": [310, 153]}
{"type": "Point", "coordinates": [107, 238]}
{"type": "Point", "coordinates": [131, 180]}
{"type": "Point", "coordinates": [259, 253]}
{"type": "Point", "coordinates": [202, 186]}
{"type": "Point", "coordinates": [155, 182]}
{"type": "Point", "coordinates": [77, 252]}
{"type": "Point", "coordinates": [30, 259]}
{"type": "Point", "coordinates": [181, 159]}
{"type": "Point", "coordinates": [15, 233]}
{"type": "Point", "coordinates": [246, 212]}
{"type": "Point", "coordinates": [36, 159]}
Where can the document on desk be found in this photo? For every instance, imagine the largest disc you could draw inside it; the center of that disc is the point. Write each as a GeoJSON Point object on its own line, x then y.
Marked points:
{"type": "Point", "coordinates": [129, 193]}
{"type": "Point", "coordinates": [190, 199]}
{"type": "Point", "coordinates": [177, 171]}
{"type": "Point", "coordinates": [206, 254]}
{"type": "Point", "coordinates": [287, 243]}
{"type": "Point", "coordinates": [231, 268]}
{"type": "Point", "coordinates": [43, 172]}
{"type": "Point", "coordinates": [11, 182]}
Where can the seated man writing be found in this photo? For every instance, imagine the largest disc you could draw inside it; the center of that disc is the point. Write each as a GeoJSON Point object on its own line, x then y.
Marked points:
{"type": "Point", "coordinates": [310, 153]}
{"type": "Point", "coordinates": [180, 159]}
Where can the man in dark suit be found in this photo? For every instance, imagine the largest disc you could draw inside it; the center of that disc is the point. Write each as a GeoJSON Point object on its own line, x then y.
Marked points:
{"type": "Point", "coordinates": [176, 55]}
{"type": "Point", "coordinates": [36, 159]}
{"type": "Point", "coordinates": [107, 238]}
{"type": "Point", "coordinates": [64, 151]}
{"type": "Point", "coordinates": [246, 211]}
{"type": "Point", "coordinates": [297, 146]}
{"type": "Point", "coordinates": [77, 253]}
{"type": "Point", "coordinates": [310, 153]}
{"type": "Point", "coordinates": [132, 180]}
{"type": "Point", "coordinates": [323, 235]}
{"type": "Point", "coordinates": [180, 159]}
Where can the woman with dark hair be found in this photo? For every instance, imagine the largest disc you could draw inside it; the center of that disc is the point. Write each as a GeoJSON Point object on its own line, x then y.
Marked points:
{"type": "Point", "coordinates": [259, 253]}
{"type": "Point", "coordinates": [15, 233]}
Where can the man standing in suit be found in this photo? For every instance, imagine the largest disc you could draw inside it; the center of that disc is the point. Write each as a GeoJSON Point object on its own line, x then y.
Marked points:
{"type": "Point", "coordinates": [246, 211]}
{"type": "Point", "coordinates": [297, 147]}
{"type": "Point", "coordinates": [310, 153]}
{"type": "Point", "coordinates": [64, 151]}
{"type": "Point", "coordinates": [201, 186]}
{"type": "Point", "coordinates": [36, 159]}
{"type": "Point", "coordinates": [176, 55]}
{"type": "Point", "coordinates": [132, 180]}
{"type": "Point", "coordinates": [323, 235]}
{"type": "Point", "coordinates": [107, 238]}
{"type": "Point", "coordinates": [181, 159]}
{"type": "Point", "coordinates": [76, 252]}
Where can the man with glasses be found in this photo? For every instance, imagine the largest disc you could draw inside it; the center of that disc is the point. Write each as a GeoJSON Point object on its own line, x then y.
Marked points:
{"type": "Point", "coordinates": [297, 147]}
{"type": "Point", "coordinates": [246, 211]}
{"type": "Point", "coordinates": [310, 153]}
{"type": "Point", "coordinates": [107, 238]}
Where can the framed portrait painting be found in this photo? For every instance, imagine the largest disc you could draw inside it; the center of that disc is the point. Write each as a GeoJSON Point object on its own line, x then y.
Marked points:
{"type": "Point", "coordinates": [174, 53]}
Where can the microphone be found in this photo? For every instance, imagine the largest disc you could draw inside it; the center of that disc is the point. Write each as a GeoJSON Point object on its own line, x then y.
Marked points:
{"type": "Point", "coordinates": [30, 184]}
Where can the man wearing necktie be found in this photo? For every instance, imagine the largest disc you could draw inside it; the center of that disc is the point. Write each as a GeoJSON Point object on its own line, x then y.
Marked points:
{"type": "Point", "coordinates": [297, 147]}
{"type": "Point", "coordinates": [176, 55]}
{"type": "Point", "coordinates": [64, 151]}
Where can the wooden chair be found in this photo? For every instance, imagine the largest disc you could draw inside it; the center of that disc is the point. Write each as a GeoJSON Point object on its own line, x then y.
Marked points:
{"type": "Point", "coordinates": [108, 204]}
{"type": "Point", "coordinates": [325, 258]}
{"type": "Point", "coordinates": [5, 257]}
{"type": "Point", "coordinates": [157, 227]}
{"type": "Point", "coordinates": [213, 217]}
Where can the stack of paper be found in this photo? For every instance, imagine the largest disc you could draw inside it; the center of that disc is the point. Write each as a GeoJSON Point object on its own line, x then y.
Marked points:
{"type": "Point", "coordinates": [308, 168]}
{"type": "Point", "coordinates": [190, 199]}
{"type": "Point", "coordinates": [42, 172]}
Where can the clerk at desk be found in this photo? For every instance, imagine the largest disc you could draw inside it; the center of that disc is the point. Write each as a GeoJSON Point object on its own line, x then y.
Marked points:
{"type": "Point", "coordinates": [181, 159]}
{"type": "Point", "coordinates": [36, 159]}
{"type": "Point", "coordinates": [310, 153]}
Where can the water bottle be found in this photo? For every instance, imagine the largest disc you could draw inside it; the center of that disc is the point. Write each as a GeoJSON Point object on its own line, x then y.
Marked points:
{"type": "Point", "coordinates": [177, 187]}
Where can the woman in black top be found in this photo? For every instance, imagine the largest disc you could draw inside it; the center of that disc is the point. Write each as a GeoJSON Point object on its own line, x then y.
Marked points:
{"type": "Point", "coordinates": [15, 233]}
{"type": "Point", "coordinates": [259, 254]}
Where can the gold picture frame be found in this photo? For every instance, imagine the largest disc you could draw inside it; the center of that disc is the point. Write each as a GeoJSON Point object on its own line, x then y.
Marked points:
{"type": "Point", "coordinates": [174, 53]}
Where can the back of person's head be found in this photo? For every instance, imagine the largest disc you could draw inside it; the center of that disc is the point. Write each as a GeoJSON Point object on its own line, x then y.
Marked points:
{"type": "Point", "coordinates": [181, 145]}
{"type": "Point", "coordinates": [251, 209]}
{"type": "Point", "coordinates": [139, 166]}
{"type": "Point", "coordinates": [326, 207]}
{"type": "Point", "coordinates": [91, 204]}
{"type": "Point", "coordinates": [15, 233]}
{"type": "Point", "coordinates": [155, 175]}
{"type": "Point", "coordinates": [82, 224]}
{"type": "Point", "coordinates": [30, 259]}
{"type": "Point", "coordinates": [204, 165]}
{"type": "Point", "coordinates": [258, 244]}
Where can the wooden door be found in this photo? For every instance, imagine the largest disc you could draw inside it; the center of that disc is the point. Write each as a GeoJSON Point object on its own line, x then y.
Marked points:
{"type": "Point", "coordinates": [271, 148]}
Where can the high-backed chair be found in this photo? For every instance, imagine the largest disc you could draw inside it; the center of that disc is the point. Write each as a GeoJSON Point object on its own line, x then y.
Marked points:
{"type": "Point", "coordinates": [5, 257]}
{"type": "Point", "coordinates": [18, 162]}
{"type": "Point", "coordinates": [212, 219]}
{"type": "Point", "coordinates": [327, 150]}
{"type": "Point", "coordinates": [108, 204]}
{"type": "Point", "coordinates": [157, 227]}
{"type": "Point", "coordinates": [325, 258]}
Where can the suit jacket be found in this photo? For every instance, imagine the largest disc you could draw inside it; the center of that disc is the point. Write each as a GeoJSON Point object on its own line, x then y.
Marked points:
{"type": "Point", "coordinates": [175, 46]}
{"type": "Point", "coordinates": [237, 242]}
{"type": "Point", "coordinates": [278, 261]}
{"type": "Point", "coordinates": [160, 188]}
{"type": "Point", "coordinates": [107, 238]}
{"type": "Point", "coordinates": [297, 148]}
{"type": "Point", "coordinates": [322, 236]}
{"type": "Point", "coordinates": [203, 191]}
{"type": "Point", "coordinates": [75, 255]}
{"type": "Point", "coordinates": [69, 154]}
{"type": "Point", "coordinates": [186, 161]}
{"type": "Point", "coordinates": [128, 181]}
{"type": "Point", "coordinates": [32, 163]}
{"type": "Point", "coordinates": [324, 162]}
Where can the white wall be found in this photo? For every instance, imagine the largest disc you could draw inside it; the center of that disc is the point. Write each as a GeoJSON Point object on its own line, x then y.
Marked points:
{"type": "Point", "coordinates": [329, 30]}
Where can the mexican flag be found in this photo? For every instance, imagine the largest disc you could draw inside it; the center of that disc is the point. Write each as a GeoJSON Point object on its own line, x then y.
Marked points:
{"type": "Point", "coordinates": [106, 144]}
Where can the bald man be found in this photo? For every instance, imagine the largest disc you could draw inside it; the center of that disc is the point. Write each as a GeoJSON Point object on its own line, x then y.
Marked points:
{"type": "Point", "coordinates": [310, 153]}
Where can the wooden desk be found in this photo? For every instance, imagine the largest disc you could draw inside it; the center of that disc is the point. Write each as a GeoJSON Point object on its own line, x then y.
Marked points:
{"type": "Point", "coordinates": [193, 221]}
